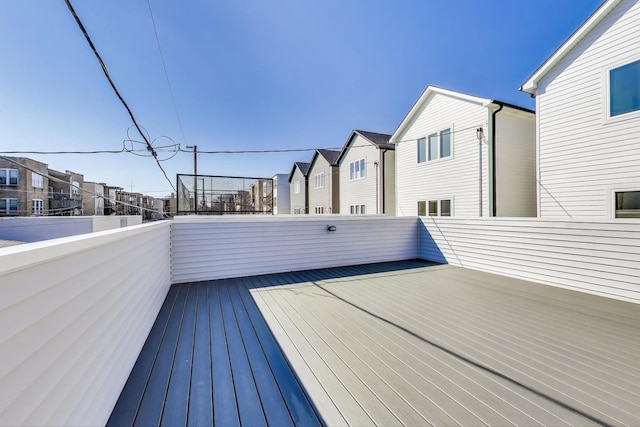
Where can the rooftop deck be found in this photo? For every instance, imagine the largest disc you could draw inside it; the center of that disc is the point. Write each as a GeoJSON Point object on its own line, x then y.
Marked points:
{"type": "Point", "coordinates": [397, 343]}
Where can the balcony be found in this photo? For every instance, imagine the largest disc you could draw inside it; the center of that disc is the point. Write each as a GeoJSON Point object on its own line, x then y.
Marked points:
{"type": "Point", "coordinates": [280, 321]}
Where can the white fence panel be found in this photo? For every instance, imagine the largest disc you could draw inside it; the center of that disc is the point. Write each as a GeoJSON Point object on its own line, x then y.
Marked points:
{"type": "Point", "coordinates": [600, 257]}
{"type": "Point", "coordinates": [74, 314]}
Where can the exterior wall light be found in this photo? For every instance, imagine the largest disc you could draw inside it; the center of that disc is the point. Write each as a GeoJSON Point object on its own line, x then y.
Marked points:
{"type": "Point", "coordinates": [331, 228]}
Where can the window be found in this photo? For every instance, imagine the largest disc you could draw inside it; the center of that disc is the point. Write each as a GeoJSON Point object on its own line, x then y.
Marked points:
{"type": "Point", "coordinates": [8, 206]}
{"type": "Point", "coordinates": [445, 207]}
{"type": "Point", "coordinates": [357, 170]}
{"type": "Point", "coordinates": [358, 209]}
{"type": "Point", "coordinates": [75, 188]}
{"type": "Point", "coordinates": [37, 180]}
{"type": "Point", "coordinates": [319, 180]}
{"type": "Point", "coordinates": [624, 89]}
{"type": "Point", "coordinates": [297, 211]}
{"type": "Point", "coordinates": [296, 187]}
{"type": "Point", "coordinates": [37, 207]}
{"type": "Point", "coordinates": [435, 146]}
{"type": "Point", "coordinates": [8, 176]}
{"type": "Point", "coordinates": [319, 210]}
{"type": "Point", "coordinates": [440, 207]}
{"type": "Point", "coordinates": [422, 147]}
{"type": "Point", "coordinates": [433, 207]}
{"type": "Point", "coordinates": [628, 204]}
{"type": "Point", "coordinates": [422, 208]}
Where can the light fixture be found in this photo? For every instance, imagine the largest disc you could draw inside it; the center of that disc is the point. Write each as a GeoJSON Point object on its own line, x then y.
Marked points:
{"type": "Point", "coordinates": [479, 133]}
{"type": "Point", "coordinates": [331, 228]}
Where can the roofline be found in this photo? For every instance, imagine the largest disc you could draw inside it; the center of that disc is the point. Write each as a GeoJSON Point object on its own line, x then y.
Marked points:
{"type": "Point", "coordinates": [531, 83]}
{"type": "Point", "coordinates": [425, 94]}
{"type": "Point", "coordinates": [513, 106]}
{"type": "Point", "coordinates": [347, 144]}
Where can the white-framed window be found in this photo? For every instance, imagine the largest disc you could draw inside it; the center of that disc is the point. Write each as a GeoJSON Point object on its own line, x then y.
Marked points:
{"type": "Point", "coordinates": [435, 146]}
{"type": "Point", "coordinates": [623, 89]}
{"type": "Point", "coordinates": [627, 204]}
{"type": "Point", "coordinates": [297, 211]}
{"type": "Point", "coordinates": [357, 169]}
{"type": "Point", "coordinates": [75, 188]}
{"type": "Point", "coordinates": [8, 206]}
{"type": "Point", "coordinates": [319, 180]}
{"type": "Point", "coordinates": [441, 207]}
{"type": "Point", "coordinates": [422, 208]}
{"type": "Point", "coordinates": [9, 176]}
{"type": "Point", "coordinates": [37, 206]}
{"type": "Point", "coordinates": [296, 187]}
{"type": "Point", "coordinates": [358, 209]}
{"type": "Point", "coordinates": [319, 210]}
{"type": "Point", "coordinates": [37, 180]}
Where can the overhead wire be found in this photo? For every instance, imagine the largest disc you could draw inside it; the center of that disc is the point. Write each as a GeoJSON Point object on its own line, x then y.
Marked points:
{"type": "Point", "coordinates": [115, 89]}
{"type": "Point", "coordinates": [166, 74]}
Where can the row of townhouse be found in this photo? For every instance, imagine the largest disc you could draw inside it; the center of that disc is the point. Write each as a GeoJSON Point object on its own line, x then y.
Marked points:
{"type": "Point", "coordinates": [460, 155]}
{"type": "Point", "coordinates": [29, 188]}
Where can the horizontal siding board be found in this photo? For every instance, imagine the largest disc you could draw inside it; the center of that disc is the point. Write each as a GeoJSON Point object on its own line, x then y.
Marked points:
{"type": "Point", "coordinates": [598, 257]}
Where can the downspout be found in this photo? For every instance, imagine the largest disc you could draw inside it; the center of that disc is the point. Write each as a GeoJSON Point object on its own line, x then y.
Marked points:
{"type": "Point", "coordinates": [306, 194]}
{"type": "Point", "coordinates": [382, 181]}
{"type": "Point", "coordinates": [493, 158]}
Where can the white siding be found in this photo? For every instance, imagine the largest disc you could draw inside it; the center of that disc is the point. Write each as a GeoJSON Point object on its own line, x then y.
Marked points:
{"type": "Point", "coordinates": [323, 197]}
{"type": "Point", "coordinates": [360, 191]}
{"type": "Point", "coordinates": [597, 257]}
{"type": "Point", "coordinates": [298, 200]}
{"type": "Point", "coordinates": [214, 248]}
{"type": "Point", "coordinates": [582, 156]}
{"type": "Point", "coordinates": [35, 229]}
{"type": "Point", "coordinates": [74, 314]}
{"type": "Point", "coordinates": [281, 195]}
{"type": "Point", "coordinates": [515, 164]}
{"type": "Point", "coordinates": [453, 178]}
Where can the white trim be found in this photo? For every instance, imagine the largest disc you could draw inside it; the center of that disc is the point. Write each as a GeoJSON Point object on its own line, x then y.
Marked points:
{"type": "Point", "coordinates": [611, 200]}
{"type": "Point", "coordinates": [531, 84]}
{"type": "Point", "coordinates": [423, 99]}
{"type": "Point", "coordinates": [606, 81]}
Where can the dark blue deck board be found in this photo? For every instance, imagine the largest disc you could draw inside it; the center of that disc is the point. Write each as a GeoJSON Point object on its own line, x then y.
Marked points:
{"type": "Point", "coordinates": [210, 359]}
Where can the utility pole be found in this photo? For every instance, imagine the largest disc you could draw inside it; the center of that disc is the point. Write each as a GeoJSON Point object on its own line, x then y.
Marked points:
{"type": "Point", "coordinates": [195, 176]}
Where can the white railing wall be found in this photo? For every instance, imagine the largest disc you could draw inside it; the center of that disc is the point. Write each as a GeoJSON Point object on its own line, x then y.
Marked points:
{"type": "Point", "coordinates": [36, 229]}
{"type": "Point", "coordinates": [206, 248]}
{"type": "Point", "coordinates": [75, 313]}
{"type": "Point", "coordinates": [599, 257]}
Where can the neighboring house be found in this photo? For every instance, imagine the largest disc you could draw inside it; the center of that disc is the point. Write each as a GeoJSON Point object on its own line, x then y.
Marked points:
{"type": "Point", "coordinates": [299, 188]}
{"type": "Point", "coordinates": [324, 182]}
{"type": "Point", "coordinates": [588, 102]}
{"type": "Point", "coordinates": [281, 194]}
{"type": "Point", "coordinates": [65, 193]}
{"type": "Point", "coordinates": [262, 196]}
{"type": "Point", "coordinates": [93, 201]}
{"type": "Point", "coordinates": [110, 198]}
{"type": "Point", "coordinates": [442, 169]}
{"type": "Point", "coordinates": [367, 174]}
{"type": "Point", "coordinates": [23, 190]}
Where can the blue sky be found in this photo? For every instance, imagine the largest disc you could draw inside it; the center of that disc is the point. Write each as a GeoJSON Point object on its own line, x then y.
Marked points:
{"type": "Point", "coordinates": [252, 74]}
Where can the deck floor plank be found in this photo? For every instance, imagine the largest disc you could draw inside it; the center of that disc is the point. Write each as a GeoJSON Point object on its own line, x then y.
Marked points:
{"type": "Point", "coordinates": [200, 411]}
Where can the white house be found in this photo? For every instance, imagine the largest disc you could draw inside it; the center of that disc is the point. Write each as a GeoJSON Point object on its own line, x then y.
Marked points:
{"type": "Point", "coordinates": [588, 103]}
{"type": "Point", "coordinates": [367, 174]}
{"type": "Point", "coordinates": [281, 194]}
{"type": "Point", "coordinates": [299, 188]}
{"type": "Point", "coordinates": [443, 170]}
{"type": "Point", "coordinates": [324, 182]}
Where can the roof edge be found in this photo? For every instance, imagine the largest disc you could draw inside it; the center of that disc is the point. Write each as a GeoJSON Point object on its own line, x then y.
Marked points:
{"type": "Point", "coordinates": [530, 85]}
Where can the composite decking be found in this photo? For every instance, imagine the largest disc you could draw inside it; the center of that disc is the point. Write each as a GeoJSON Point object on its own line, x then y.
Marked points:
{"type": "Point", "coordinates": [403, 343]}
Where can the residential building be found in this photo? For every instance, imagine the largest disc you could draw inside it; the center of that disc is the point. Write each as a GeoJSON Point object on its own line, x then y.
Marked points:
{"type": "Point", "coordinates": [93, 200]}
{"type": "Point", "coordinates": [324, 182]}
{"type": "Point", "coordinates": [462, 155]}
{"type": "Point", "coordinates": [367, 174]}
{"type": "Point", "coordinates": [299, 188]}
{"type": "Point", "coordinates": [281, 194]}
{"type": "Point", "coordinates": [65, 193]}
{"type": "Point", "coordinates": [23, 189]}
{"type": "Point", "coordinates": [262, 195]}
{"type": "Point", "coordinates": [110, 199]}
{"type": "Point", "coordinates": [588, 102]}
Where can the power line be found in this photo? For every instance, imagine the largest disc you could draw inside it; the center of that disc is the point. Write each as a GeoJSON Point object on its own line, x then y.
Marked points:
{"type": "Point", "coordinates": [113, 86]}
{"type": "Point", "coordinates": [166, 74]}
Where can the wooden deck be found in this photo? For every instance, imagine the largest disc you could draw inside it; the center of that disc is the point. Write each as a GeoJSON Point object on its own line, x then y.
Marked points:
{"type": "Point", "coordinates": [404, 343]}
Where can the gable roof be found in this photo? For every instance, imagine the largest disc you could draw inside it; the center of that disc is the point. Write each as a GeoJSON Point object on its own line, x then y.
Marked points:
{"type": "Point", "coordinates": [304, 169]}
{"type": "Point", "coordinates": [423, 98]}
{"type": "Point", "coordinates": [380, 140]}
{"type": "Point", "coordinates": [531, 83]}
{"type": "Point", "coordinates": [331, 156]}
